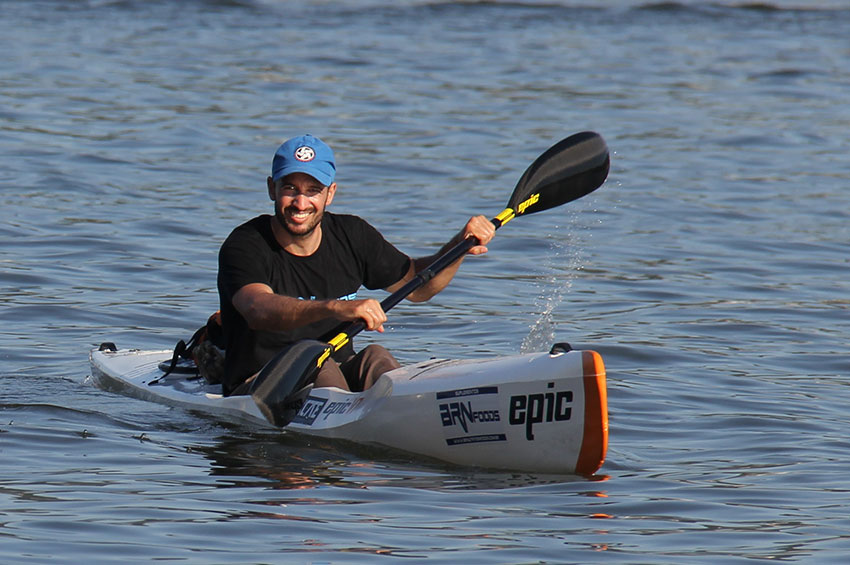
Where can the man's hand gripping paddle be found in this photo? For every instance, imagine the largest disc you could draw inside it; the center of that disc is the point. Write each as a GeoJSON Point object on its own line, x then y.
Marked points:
{"type": "Point", "coordinates": [568, 170]}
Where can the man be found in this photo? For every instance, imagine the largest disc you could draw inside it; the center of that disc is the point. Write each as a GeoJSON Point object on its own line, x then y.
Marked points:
{"type": "Point", "coordinates": [295, 275]}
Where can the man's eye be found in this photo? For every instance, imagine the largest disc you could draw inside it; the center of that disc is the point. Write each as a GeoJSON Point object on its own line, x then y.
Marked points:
{"type": "Point", "coordinates": [292, 191]}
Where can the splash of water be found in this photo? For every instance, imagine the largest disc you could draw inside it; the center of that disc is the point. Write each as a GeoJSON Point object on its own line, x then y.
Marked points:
{"type": "Point", "coordinates": [564, 259]}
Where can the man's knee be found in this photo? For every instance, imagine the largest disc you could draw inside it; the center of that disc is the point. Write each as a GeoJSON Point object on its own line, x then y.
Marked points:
{"type": "Point", "coordinates": [331, 375]}
{"type": "Point", "coordinates": [374, 353]}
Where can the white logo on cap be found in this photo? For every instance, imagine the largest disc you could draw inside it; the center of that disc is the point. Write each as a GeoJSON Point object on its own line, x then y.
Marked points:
{"type": "Point", "coordinates": [305, 153]}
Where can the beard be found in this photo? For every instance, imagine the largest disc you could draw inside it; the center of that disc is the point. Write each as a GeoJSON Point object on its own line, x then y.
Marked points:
{"type": "Point", "coordinates": [296, 229]}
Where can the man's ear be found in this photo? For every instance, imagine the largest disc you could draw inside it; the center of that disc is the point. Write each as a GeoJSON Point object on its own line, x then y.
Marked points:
{"type": "Point", "coordinates": [331, 192]}
{"type": "Point", "coordinates": [270, 184]}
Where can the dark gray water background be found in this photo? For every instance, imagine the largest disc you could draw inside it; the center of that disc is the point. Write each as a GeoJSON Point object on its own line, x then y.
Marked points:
{"type": "Point", "coordinates": [711, 271]}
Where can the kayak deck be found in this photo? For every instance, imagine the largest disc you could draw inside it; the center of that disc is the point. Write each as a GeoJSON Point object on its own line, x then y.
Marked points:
{"type": "Point", "coordinates": [540, 412]}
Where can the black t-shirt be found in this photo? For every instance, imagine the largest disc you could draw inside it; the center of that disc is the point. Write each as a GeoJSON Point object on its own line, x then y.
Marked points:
{"type": "Point", "coordinates": [352, 254]}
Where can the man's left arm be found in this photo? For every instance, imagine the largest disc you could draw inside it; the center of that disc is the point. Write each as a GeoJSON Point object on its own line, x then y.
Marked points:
{"type": "Point", "coordinates": [477, 226]}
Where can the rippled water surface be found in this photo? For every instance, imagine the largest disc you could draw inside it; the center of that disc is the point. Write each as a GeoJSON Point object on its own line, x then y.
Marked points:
{"type": "Point", "coordinates": [711, 271]}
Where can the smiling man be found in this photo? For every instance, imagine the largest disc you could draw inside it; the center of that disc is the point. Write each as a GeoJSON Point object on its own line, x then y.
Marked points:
{"type": "Point", "coordinates": [295, 275]}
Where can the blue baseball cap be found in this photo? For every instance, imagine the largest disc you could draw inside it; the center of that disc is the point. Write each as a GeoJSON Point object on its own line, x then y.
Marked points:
{"type": "Point", "coordinates": [304, 154]}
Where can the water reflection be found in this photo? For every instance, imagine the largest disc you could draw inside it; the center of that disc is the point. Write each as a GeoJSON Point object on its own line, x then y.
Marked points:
{"type": "Point", "coordinates": [288, 462]}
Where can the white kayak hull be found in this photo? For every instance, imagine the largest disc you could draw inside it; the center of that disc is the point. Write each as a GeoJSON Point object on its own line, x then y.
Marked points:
{"type": "Point", "coordinates": [539, 413]}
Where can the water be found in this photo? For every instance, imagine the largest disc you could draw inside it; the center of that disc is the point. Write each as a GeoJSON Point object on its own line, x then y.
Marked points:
{"type": "Point", "coordinates": [710, 271]}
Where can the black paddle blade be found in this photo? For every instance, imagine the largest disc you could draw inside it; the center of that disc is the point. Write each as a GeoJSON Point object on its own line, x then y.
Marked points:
{"type": "Point", "coordinates": [568, 170]}
{"type": "Point", "coordinates": [280, 388]}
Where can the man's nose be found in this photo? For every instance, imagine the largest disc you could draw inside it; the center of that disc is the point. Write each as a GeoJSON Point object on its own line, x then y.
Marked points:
{"type": "Point", "coordinates": [301, 201]}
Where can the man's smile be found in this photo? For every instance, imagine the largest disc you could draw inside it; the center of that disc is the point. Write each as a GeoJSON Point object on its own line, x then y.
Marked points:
{"type": "Point", "coordinates": [299, 215]}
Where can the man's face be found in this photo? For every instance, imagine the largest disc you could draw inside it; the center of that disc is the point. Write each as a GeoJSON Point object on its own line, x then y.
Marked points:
{"type": "Point", "coordinates": [300, 202]}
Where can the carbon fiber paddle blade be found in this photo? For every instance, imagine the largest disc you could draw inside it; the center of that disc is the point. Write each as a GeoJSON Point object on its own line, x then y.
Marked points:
{"type": "Point", "coordinates": [568, 170]}
{"type": "Point", "coordinates": [281, 386]}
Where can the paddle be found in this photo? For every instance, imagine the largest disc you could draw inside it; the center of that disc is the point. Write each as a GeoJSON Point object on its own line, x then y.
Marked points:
{"type": "Point", "coordinates": [568, 170]}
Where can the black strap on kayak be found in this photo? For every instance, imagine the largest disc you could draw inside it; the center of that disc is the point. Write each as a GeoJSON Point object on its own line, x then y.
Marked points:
{"type": "Point", "coordinates": [211, 331]}
{"type": "Point", "coordinates": [183, 350]}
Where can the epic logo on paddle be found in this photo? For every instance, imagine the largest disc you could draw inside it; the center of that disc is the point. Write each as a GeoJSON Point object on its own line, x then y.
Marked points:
{"type": "Point", "coordinates": [537, 408]}
{"type": "Point", "coordinates": [533, 199]}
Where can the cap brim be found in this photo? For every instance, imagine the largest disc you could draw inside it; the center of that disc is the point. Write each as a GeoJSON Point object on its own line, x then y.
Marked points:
{"type": "Point", "coordinates": [320, 176]}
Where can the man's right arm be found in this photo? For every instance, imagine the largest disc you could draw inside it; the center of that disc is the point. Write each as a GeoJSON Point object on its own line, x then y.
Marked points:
{"type": "Point", "coordinates": [267, 311]}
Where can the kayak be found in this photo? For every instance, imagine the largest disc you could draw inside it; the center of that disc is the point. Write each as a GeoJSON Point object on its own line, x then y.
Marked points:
{"type": "Point", "coordinates": [538, 412]}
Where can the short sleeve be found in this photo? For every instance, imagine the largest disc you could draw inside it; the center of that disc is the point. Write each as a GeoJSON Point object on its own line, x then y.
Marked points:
{"type": "Point", "coordinates": [239, 263]}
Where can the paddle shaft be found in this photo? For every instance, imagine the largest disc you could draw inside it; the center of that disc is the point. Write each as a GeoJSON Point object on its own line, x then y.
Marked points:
{"type": "Point", "coordinates": [570, 169]}
{"type": "Point", "coordinates": [421, 279]}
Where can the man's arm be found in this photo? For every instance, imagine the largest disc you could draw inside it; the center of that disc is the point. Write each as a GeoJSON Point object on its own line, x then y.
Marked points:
{"type": "Point", "coordinates": [265, 310]}
{"type": "Point", "coordinates": [477, 226]}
